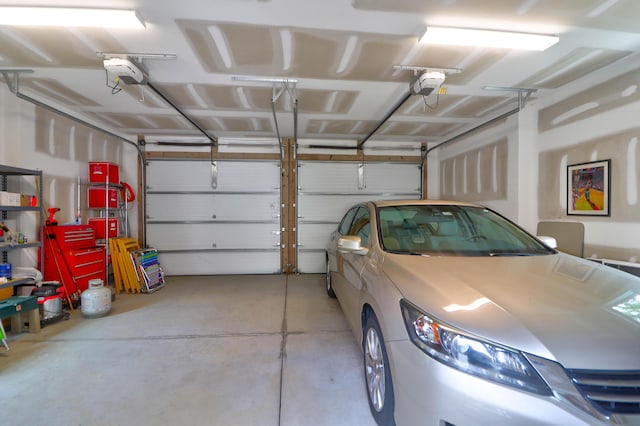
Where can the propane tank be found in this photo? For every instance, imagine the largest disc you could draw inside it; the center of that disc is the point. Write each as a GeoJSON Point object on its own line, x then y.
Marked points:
{"type": "Point", "coordinates": [95, 301]}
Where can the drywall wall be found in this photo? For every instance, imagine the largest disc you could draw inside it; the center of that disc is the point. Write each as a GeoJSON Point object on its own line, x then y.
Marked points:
{"type": "Point", "coordinates": [519, 165]}
{"type": "Point", "coordinates": [35, 138]}
{"type": "Point", "coordinates": [482, 167]}
{"type": "Point", "coordinates": [594, 124]}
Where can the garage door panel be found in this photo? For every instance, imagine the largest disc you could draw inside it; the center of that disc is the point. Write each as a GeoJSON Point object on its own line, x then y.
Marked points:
{"type": "Point", "coordinates": [224, 220]}
{"type": "Point", "coordinates": [315, 236]}
{"type": "Point", "coordinates": [218, 263]}
{"type": "Point", "coordinates": [179, 176]}
{"type": "Point", "coordinates": [328, 189]}
{"type": "Point", "coordinates": [213, 236]}
{"type": "Point", "coordinates": [248, 177]}
{"type": "Point", "coordinates": [393, 178]}
{"type": "Point", "coordinates": [326, 207]}
{"type": "Point", "coordinates": [193, 176]}
{"type": "Point", "coordinates": [323, 177]}
{"type": "Point", "coordinates": [186, 207]}
{"type": "Point", "coordinates": [312, 261]}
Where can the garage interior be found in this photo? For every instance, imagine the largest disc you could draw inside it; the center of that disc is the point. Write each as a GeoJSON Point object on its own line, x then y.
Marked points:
{"type": "Point", "coordinates": [244, 131]}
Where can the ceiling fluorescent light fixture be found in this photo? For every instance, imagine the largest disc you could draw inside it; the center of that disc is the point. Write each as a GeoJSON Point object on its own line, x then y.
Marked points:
{"type": "Point", "coordinates": [487, 38]}
{"type": "Point", "coordinates": [70, 17]}
{"type": "Point", "coordinates": [264, 79]}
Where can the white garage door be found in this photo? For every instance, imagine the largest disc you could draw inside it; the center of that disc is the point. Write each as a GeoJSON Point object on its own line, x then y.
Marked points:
{"type": "Point", "coordinates": [328, 189]}
{"type": "Point", "coordinates": [214, 219]}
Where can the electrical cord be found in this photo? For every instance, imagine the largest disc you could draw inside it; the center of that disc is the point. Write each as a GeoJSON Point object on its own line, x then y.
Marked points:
{"type": "Point", "coordinates": [434, 106]}
{"type": "Point", "coordinates": [114, 89]}
{"type": "Point", "coordinates": [426, 104]}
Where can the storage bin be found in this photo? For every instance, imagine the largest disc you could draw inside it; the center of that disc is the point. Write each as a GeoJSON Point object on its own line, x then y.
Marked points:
{"type": "Point", "coordinates": [5, 270]}
{"type": "Point", "coordinates": [100, 198]}
{"type": "Point", "coordinates": [103, 172]}
{"type": "Point", "coordinates": [105, 227]}
{"type": "Point", "coordinates": [6, 292]}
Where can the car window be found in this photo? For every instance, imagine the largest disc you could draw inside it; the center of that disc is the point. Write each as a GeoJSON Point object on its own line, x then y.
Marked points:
{"type": "Point", "coordinates": [453, 230]}
{"type": "Point", "coordinates": [361, 225]}
{"type": "Point", "coordinates": [345, 223]}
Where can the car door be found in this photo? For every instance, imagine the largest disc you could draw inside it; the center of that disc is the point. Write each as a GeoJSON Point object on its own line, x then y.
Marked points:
{"type": "Point", "coordinates": [343, 228]}
{"type": "Point", "coordinates": [352, 265]}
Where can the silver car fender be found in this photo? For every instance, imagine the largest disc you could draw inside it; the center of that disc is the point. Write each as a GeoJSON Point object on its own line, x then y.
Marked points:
{"type": "Point", "coordinates": [381, 295]}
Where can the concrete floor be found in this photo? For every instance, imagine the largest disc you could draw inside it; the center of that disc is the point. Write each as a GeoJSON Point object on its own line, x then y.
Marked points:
{"type": "Point", "coordinates": [223, 350]}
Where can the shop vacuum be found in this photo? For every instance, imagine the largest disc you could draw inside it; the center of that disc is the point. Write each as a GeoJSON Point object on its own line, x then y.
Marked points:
{"type": "Point", "coordinates": [50, 295]}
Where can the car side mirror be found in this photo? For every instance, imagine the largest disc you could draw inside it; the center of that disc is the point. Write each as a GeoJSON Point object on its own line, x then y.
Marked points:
{"type": "Point", "coordinates": [548, 241]}
{"type": "Point", "coordinates": [351, 244]}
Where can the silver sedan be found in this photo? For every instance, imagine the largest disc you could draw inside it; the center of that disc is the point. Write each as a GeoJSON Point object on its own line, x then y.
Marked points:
{"type": "Point", "coordinates": [466, 319]}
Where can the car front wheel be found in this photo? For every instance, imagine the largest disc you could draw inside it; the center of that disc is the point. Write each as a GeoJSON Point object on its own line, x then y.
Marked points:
{"type": "Point", "coordinates": [377, 373]}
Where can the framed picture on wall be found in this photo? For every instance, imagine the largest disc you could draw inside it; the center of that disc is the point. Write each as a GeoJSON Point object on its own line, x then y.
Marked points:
{"type": "Point", "coordinates": [588, 189]}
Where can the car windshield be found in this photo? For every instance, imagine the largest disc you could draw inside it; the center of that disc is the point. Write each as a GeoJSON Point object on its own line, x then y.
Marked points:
{"type": "Point", "coordinates": [453, 230]}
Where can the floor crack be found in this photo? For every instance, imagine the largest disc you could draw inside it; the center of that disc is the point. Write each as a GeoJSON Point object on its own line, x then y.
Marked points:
{"type": "Point", "coordinates": [283, 347]}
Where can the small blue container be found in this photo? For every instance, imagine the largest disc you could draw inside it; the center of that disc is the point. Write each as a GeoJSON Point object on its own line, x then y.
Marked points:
{"type": "Point", "coordinates": [5, 270]}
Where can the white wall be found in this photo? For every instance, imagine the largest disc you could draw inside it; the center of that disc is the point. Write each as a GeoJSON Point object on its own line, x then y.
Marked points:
{"type": "Point", "coordinates": [593, 119]}
{"type": "Point", "coordinates": [33, 138]}
{"type": "Point", "coordinates": [500, 187]}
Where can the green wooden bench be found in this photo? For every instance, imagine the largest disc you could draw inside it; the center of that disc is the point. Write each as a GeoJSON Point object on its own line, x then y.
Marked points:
{"type": "Point", "coordinates": [21, 309]}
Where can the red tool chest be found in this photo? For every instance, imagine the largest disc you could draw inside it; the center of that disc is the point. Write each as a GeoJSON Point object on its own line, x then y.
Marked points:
{"type": "Point", "coordinates": [105, 227]}
{"type": "Point", "coordinates": [72, 257]}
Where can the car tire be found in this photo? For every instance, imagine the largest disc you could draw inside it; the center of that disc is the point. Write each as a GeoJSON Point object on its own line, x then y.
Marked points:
{"type": "Point", "coordinates": [330, 291]}
{"type": "Point", "coordinates": [377, 373]}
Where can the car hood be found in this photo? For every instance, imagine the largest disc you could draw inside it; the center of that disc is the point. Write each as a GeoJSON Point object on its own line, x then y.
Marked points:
{"type": "Point", "coordinates": [560, 307]}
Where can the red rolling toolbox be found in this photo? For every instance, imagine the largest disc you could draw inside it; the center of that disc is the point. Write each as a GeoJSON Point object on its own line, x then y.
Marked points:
{"type": "Point", "coordinates": [72, 257]}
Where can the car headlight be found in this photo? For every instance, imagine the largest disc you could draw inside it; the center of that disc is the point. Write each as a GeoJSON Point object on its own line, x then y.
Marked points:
{"type": "Point", "coordinates": [470, 354]}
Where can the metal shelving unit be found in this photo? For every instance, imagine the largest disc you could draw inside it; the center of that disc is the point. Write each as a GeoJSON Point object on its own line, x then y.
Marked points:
{"type": "Point", "coordinates": [8, 173]}
{"type": "Point", "coordinates": [106, 213]}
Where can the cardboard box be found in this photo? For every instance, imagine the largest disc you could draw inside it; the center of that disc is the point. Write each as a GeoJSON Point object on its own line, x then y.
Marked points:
{"type": "Point", "coordinates": [9, 198]}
